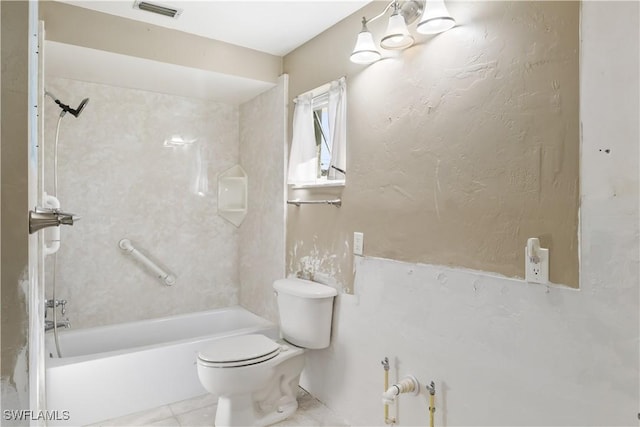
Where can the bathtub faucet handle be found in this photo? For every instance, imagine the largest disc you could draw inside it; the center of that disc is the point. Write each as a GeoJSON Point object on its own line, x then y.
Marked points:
{"type": "Point", "coordinates": [55, 303]}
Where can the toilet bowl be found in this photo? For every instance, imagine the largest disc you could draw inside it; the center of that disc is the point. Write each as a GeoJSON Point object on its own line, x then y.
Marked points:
{"type": "Point", "coordinates": [255, 377]}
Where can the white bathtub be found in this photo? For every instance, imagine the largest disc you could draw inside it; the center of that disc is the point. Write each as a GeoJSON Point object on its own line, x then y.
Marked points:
{"type": "Point", "coordinates": [110, 371]}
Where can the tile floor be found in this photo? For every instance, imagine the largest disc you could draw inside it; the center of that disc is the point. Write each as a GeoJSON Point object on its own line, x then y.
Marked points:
{"type": "Point", "coordinates": [201, 411]}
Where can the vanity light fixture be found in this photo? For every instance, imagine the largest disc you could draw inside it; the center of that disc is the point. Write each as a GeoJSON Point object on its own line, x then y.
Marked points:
{"type": "Point", "coordinates": [434, 18]}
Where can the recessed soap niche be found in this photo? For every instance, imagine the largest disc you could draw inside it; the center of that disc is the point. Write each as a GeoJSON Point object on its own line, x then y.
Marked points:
{"type": "Point", "coordinates": [232, 195]}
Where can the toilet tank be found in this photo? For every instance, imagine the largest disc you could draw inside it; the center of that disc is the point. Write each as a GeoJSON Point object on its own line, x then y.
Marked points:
{"type": "Point", "coordinates": [306, 310]}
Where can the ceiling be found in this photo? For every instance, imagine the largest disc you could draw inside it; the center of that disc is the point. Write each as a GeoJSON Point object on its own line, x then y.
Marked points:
{"type": "Point", "coordinates": [274, 27]}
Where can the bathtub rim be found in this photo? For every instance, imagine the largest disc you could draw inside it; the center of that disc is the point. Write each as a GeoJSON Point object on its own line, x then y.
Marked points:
{"type": "Point", "coordinates": [262, 324]}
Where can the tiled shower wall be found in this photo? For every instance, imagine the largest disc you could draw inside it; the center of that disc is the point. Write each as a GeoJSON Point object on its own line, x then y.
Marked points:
{"type": "Point", "coordinates": [262, 237]}
{"type": "Point", "coordinates": [120, 172]}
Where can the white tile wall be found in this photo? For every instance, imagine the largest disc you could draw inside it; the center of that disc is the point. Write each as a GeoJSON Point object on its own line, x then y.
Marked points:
{"type": "Point", "coordinates": [262, 241]}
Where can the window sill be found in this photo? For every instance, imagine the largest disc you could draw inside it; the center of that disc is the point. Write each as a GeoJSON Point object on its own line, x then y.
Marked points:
{"type": "Point", "coordinates": [319, 184]}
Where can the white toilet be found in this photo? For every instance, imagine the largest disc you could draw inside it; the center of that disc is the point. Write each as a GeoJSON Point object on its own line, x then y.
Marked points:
{"type": "Point", "coordinates": [256, 378]}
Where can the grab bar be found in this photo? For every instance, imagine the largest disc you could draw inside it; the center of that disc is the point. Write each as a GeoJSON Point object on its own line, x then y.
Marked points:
{"type": "Point", "coordinates": [168, 278]}
{"type": "Point", "coordinates": [336, 202]}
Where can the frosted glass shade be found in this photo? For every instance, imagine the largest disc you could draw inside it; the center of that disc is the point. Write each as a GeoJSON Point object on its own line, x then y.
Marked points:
{"type": "Point", "coordinates": [365, 51]}
{"type": "Point", "coordinates": [397, 35]}
{"type": "Point", "coordinates": [435, 19]}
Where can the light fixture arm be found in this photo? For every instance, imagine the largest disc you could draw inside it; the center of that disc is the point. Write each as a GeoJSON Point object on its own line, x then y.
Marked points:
{"type": "Point", "coordinates": [365, 21]}
{"type": "Point", "coordinates": [410, 9]}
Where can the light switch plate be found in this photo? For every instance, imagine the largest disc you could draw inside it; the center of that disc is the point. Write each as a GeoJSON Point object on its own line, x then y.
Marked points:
{"type": "Point", "coordinates": [358, 243]}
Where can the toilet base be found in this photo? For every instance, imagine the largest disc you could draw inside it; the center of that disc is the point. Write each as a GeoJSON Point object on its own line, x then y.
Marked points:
{"type": "Point", "coordinates": [240, 410]}
{"type": "Point", "coordinates": [269, 405]}
{"type": "Point", "coordinates": [235, 411]}
{"type": "Point", "coordinates": [283, 412]}
{"type": "Point", "coordinates": [258, 394]}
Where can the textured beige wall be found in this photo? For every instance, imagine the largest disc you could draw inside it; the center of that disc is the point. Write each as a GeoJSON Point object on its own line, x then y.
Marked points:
{"type": "Point", "coordinates": [14, 154]}
{"type": "Point", "coordinates": [460, 148]}
{"type": "Point", "coordinates": [262, 234]}
{"type": "Point", "coordinates": [74, 25]}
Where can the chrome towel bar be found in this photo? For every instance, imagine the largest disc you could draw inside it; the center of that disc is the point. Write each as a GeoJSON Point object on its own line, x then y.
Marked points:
{"type": "Point", "coordinates": [336, 202]}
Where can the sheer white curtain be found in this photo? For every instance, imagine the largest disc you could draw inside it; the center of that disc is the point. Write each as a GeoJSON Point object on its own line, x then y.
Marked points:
{"type": "Point", "coordinates": [303, 159]}
{"type": "Point", "coordinates": [337, 112]}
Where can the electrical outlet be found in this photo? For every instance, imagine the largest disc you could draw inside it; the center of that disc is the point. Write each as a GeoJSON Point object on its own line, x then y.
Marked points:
{"type": "Point", "coordinates": [536, 265]}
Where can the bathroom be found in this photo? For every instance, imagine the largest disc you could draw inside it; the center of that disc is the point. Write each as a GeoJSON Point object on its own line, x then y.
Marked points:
{"type": "Point", "coordinates": [439, 288]}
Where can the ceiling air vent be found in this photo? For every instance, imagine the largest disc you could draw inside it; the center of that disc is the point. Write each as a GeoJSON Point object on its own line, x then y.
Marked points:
{"type": "Point", "coordinates": [171, 12]}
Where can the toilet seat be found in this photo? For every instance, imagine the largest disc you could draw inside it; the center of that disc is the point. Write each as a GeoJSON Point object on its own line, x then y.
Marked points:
{"type": "Point", "coordinates": [237, 351]}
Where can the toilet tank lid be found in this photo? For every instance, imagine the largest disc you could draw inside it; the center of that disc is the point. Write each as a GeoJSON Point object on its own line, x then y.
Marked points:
{"type": "Point", "coordinates": [304, 288]}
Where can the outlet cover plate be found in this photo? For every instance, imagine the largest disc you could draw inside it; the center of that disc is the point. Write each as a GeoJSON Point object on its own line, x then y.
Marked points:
{"type": "Point", "coordinates": [537, 272]}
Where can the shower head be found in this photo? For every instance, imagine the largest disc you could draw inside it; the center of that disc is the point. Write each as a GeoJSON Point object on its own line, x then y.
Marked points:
{"type": "Point", "coordinates": [65, 108]}
{"type": "Point", "coordinates": [80, 107]}
{"type": "Point", "coordinates": [74, 112]}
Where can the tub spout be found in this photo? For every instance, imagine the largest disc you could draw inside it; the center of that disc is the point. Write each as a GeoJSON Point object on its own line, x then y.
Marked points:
{"type": "Point", "coordinates": [44, 217]}
{"type": "Point", "coordinates": [408, 384]}
{"type": "Point", "coordinates": [48, 324]}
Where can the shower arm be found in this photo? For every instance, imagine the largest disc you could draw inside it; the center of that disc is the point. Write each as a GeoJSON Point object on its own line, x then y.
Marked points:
{"type": "Point", "coordinates": [65, 108]}
{"type": "Point", "coordinates": [50, 95]}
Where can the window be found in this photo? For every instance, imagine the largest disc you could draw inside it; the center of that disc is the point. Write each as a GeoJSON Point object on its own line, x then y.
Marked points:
{"type": "Point", "coordinates": [318, 147]}
{"type": "Point", "coordinates": [321, 131]}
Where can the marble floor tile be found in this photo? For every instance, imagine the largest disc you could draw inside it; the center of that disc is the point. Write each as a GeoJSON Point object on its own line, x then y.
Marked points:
{"type": "Point", "coordinates": [189, 405]}
{"type": "Point", "coordinates": [201, 411]}
{"type": "Point", "coordinates": [311, 412]}
{"type": "Point", "coordinates": [199, 417]}
{"type": "Point", "coordinates": [167, 422]}
{"type": "Point", "coordinates": [139, 418]}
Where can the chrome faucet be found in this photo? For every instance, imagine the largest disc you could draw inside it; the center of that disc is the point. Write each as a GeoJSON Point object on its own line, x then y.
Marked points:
{"type": "Point", "coordinates": [53, 304]}
{"type": "Point", "coordinates": [49, 325]}
{"type": "Point", "coordinates": [40, 218]}
{"type": "Point", "coordinates": [49, 303]}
